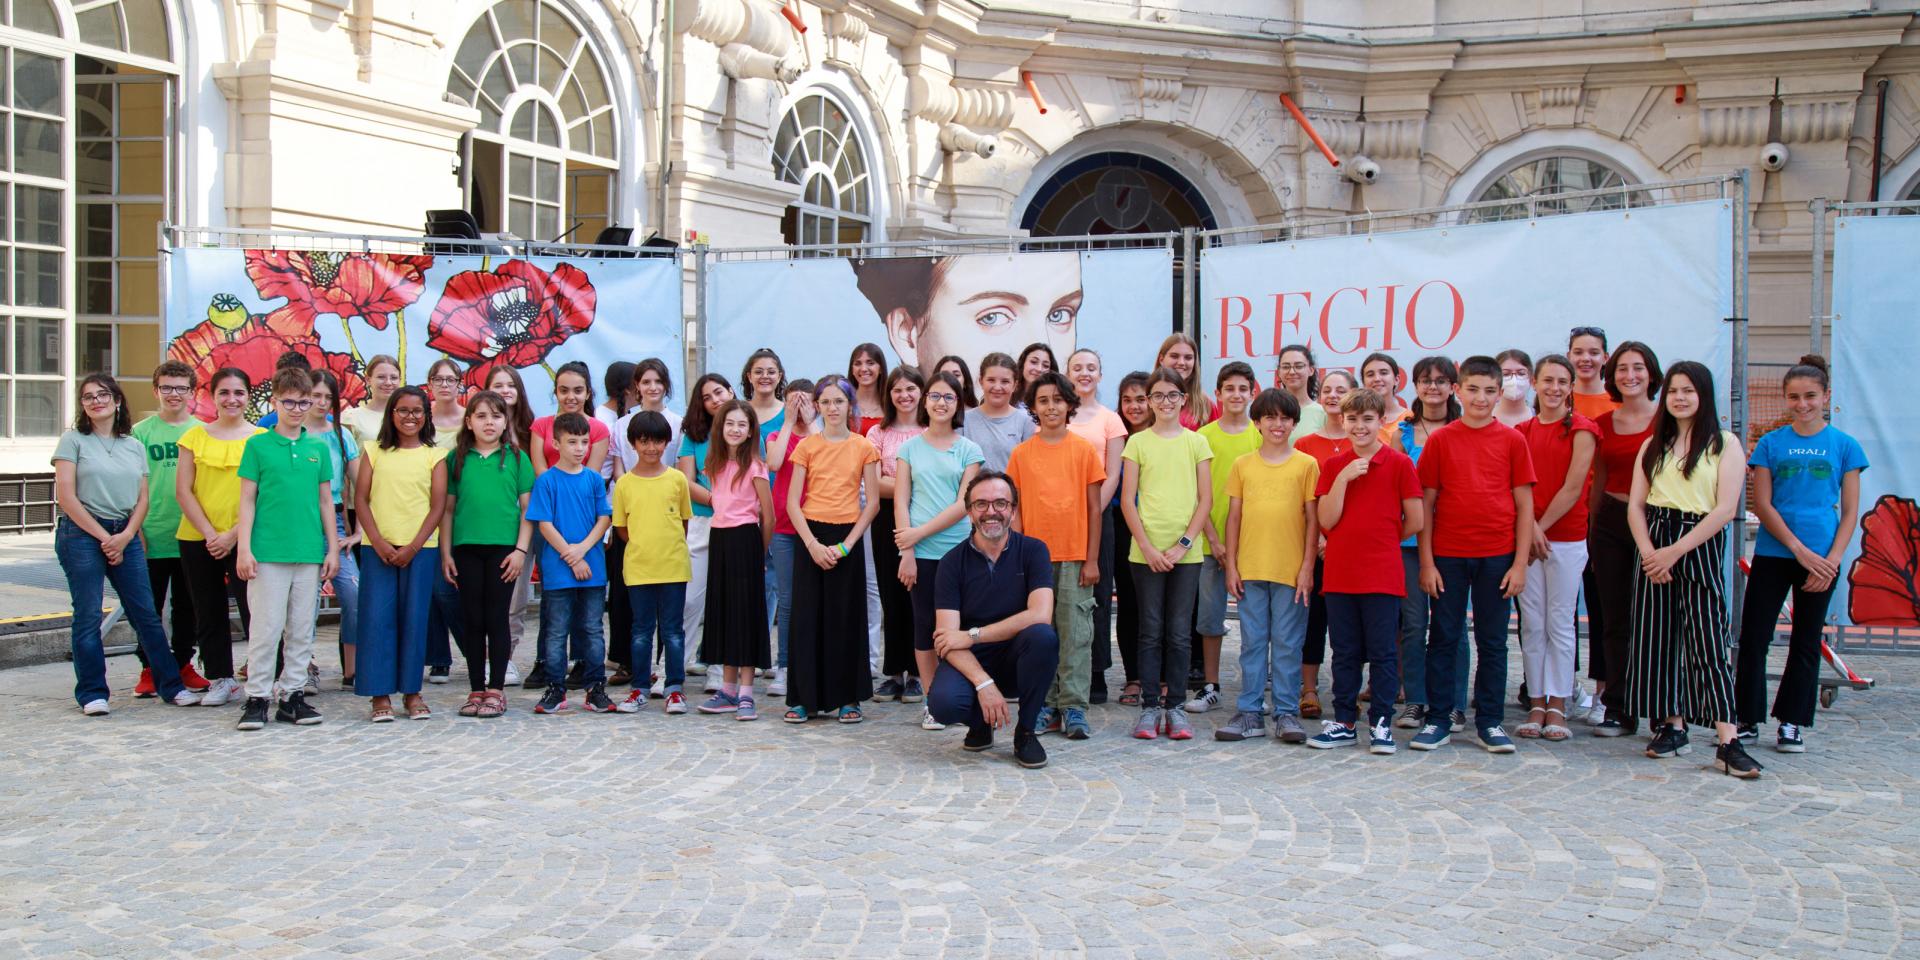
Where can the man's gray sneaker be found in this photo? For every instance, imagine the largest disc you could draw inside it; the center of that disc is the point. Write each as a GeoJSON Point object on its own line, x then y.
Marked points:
{"type": "Point", "coordinates": [1287, 727]}
{"type": "Point", "coordinates": [1245, 725]}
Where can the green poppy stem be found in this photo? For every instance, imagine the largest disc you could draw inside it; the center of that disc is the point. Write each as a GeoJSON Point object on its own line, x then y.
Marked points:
{"type": "Point", "coordinates": [352, 348]}
{"type": "Point", "coordinates": [400, 338]}
{"type": "Point", "coordinates": [551, 375]}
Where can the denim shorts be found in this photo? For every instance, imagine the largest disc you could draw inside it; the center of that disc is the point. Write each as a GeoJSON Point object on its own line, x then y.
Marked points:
{"type": "Point", "coordinates": [1210, 610]}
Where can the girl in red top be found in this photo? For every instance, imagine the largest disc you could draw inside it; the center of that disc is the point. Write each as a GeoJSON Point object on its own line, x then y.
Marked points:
{"type": "Point", "coordinates": [1632, 376]}
{"type": "Point", "coordinates": [865, 367]}
{"type": "Point", "coordinates": [1562, 443]}
{"type": "Point", "coordinates": [1330, 441]}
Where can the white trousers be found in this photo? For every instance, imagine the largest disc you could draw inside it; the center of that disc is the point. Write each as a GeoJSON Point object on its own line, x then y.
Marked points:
{"type": "Point", "coordinates": [695, 616]}
{"type": "Point", "coordinates": [1549, 607]}
{"type": "Point", "coordinates": [275, 590]}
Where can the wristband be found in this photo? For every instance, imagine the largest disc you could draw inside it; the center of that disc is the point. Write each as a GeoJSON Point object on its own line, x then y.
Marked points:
{"type": "Point", "coordinates": [842, 547]}
{"type": "Point", "coordinates": [982, 685]}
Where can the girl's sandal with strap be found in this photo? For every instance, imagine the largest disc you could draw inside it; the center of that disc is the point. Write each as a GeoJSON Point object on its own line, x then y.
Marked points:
{"type": "Point", "coordinates": [417, 710]}
{"type": "Point", "coordinates": [492, 705]}
{"type": "Point", "coordinates": [1556, 732]}
{"type": "Point", "coordinates": [1130, 695]}
{"type": "Point", "coordinates": [796, 715]}
{"type": "Point", "coordinates": [382, 713]}
{"type": "Point", "coordinates": [851, 714]}
{"type": "Point", "coordinates": [472, 707]}
{"type": "Point", "coordinates": [1530, 730]}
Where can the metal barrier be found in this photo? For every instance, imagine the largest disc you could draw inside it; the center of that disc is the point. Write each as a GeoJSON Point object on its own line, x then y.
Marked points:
{"type": "Point", "coordinates": [26, 502]}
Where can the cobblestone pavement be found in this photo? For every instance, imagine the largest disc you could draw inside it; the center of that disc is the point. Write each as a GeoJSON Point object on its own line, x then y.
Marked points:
{"type": "Point", "coordinates": [163, 831]}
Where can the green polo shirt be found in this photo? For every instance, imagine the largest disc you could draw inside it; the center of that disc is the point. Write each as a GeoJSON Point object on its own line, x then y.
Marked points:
{"type": "Point", "coordinates": [288, 475]}
{"type": "Point", "coordinates": [486, 508]}
{"type": "Point", "coordinates": [162, 440]}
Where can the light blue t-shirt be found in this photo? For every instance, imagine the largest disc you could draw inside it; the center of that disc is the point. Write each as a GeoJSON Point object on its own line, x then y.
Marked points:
{"type": "Point", "coordinates": [573, 503]}
{"type": "Point", "coordinates": [698, 451]}
{"type": "Point", "coordinates": [1807, 473]}
{"type": "Point", "coordinates": [1409, 445]}
{"type": "Point", "coordinates": [936, 478]}
{"type": "Point", "coordinates": [334, 440]}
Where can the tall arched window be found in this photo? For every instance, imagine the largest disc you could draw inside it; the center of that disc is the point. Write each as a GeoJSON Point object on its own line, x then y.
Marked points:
{"type": "Point", "coordinates": [1544, 178]}
{"type": "Point", "coordinates": [542, 162]}
{"type": "Point", "coordinates": [818, 148]}
{"type": "Point", "coordinates": [84, 111]}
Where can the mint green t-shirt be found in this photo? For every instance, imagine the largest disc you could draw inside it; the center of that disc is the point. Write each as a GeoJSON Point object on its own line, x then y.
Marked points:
{"type": "Point", "coordinates": [162, 442]}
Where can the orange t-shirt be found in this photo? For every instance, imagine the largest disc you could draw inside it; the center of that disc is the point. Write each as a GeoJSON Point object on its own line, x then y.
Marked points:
{"type": "Point", "coordinates": [1592, 405]}
{"type": "Point", "coordinates": [834, 471]}
{"type": "Point", "coordinates": [1052, 479]}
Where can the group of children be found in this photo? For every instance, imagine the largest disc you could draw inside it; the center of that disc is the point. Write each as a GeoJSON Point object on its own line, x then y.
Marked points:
{"type": "Point", "coordinates": [1326, 509]}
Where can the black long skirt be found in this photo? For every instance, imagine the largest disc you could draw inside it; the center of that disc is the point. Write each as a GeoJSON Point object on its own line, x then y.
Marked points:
{"type": "Point", "coordinates": [827, 650]}
{"type": "Point", "coordinates": [736, 630]}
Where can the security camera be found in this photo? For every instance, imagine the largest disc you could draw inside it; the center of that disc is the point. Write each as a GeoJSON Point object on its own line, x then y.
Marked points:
{"type": "Point", "coordinates": [1361, 169]}
{"type": "Point", "coordinates": [1773, 156]}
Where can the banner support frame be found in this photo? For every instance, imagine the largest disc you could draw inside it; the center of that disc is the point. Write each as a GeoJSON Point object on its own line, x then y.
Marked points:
{"type": "Point", "coordinates": [1817, 315]}
{"type": "Point", "coordinates": [1737, 388]}
{"type": "Point", "coordinates": [702, 348]}
{"type": "Point", "coordinates": [1189, 264]}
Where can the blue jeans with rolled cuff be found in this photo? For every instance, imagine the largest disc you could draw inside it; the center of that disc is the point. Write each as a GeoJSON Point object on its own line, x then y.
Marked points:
{"type": "Point", "coordinates": [88, 572]}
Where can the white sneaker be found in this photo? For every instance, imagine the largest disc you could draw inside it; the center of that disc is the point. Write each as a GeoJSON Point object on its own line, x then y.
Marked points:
{"type": "Point", "coordinates": [927, 722]}
{"type": "Point", "coordinates": [312, 687]}
{"type": "Point", "coordinates": [96, 708]}
{"type": "Point", "coordinates": [777, 687]}
{"type": "Point", "coordinates": [713, 682]}
{"type": "Point", "coordinates": [696, 669]}
{"type": "Point", "coordinates": [1584, 706]}
{"type": "Point", "coordinates": [659, 688]}
{"type": "Point", "coordinates": [1596, 716]}
{"type": "Point", "coordinates": [186, 698]}
{"type": "Point", "coordinates": [1208, 699]}
{"type": "Point", "coordinates": [513, 675]}
{"type": "Point", "coordinates": [222, 692]}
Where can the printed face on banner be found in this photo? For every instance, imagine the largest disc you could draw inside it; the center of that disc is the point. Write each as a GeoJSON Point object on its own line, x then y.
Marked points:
{"type": "Point", "coordinates": [245, 308]}
{"type": "Point", "coordinates": [973, 306]}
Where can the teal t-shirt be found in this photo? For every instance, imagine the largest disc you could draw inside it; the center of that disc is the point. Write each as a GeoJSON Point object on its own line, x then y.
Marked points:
{"type": "Point", "coordinates": [287, 474]}
{"type": "Point", "coordinates": [936, 476]}
{"type": "Point", "coordinates": [698, 451]}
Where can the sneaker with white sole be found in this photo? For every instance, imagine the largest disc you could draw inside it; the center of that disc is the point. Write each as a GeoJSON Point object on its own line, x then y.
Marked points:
{"type": "Point", "coordinates": [1412, 716]}
{"type": "Point", "coordinates": [312, 687]}
{"type": "Point", "coordinates": [636, 702]}
{"type": "Point", "coordinates": [927, 722]}
{"type": "Point", "coordinates": [720, 703]}
{"type": "Point", "coordinates": [1790, 739]}
{"type": "Point", "coordinates": [1332, 734]}
{"type": "Point", "coordinates": [713, 682]}
{"type": "Point", "coordinates": [1596, 714]}
{"type": "Point", "coordinates": [1287, 729]}
{"type": "Point", "coordinates": [1433, 736]}
{"type": "Point", "coordinates": [1494, 739]}
{"type": "Point", "coordinates": [1380, 739]}
{"type": "Point", "coordinates": [186, 698]}
{"type": "Point", "coordinates": [777, 687]}
{"type": "Point", "coordinates": [676, 702]}
{"type": "Point", "coordinates": [222, 692]}
{"type": "Point", "coordinates": [96, 708]}
{"type": "Point", "coordinates": [254, 715]}
{"type": "Point", "coordinates": [1245, 725]}
{"type": "Point", "coordinates": [513, 674]}
{"type": "Point", "coordinates": [1206, 699]}
{"type": "Point", "coordinates": [659, 689]}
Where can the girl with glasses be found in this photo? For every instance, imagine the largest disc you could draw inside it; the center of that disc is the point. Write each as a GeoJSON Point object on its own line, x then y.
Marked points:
{"type": "Point", "coordinates": [443, 384]}
{"type": "Point", "coordinates": [399, 493]}
{"type": "Point", "coordinates": [930, 517]}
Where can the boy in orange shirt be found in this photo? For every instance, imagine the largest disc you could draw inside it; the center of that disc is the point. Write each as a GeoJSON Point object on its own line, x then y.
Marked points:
{"type": "Point", "coordinates": [1058, 475]}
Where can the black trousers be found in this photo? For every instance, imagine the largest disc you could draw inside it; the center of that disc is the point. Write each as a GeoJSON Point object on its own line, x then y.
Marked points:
{"type": "Point", "coordinates": [161, 574]}
{"type": "Point", "coordinates": [1103, 601]}
{"type": "Point", "coordinates": [1024, 664]}
{"type": "Point", "coordinates": [484, 599]}
{"type": "Point", "coordinates": [896, 603]}
{"type": "Point", "coordinates": [1126, 619]}
{"type": "Point", "coordinates": [207, 581]}
{"type": "Point", "coordinates": [1616, 563]}
{"type": "Point", "coordinates": [619, 605]}
{"type": "Point", "coordinates": [1768, 586]}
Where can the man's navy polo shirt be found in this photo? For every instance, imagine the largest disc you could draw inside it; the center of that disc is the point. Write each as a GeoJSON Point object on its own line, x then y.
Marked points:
{"type": "Point", "coordinates": [987, 592]}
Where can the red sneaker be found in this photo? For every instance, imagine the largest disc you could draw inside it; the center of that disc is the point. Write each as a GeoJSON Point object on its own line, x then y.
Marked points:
{"type": "Point", "coordinates": [144, 688]}
{"type": "Point", "coordinates": [192, 678]}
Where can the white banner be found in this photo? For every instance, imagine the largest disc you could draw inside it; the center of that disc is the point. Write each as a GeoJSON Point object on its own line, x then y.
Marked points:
{"type": "Point", "coordinates": [918, 309]}
{"type": "Point", "coordinates": [1875, 292]}
{"type": "Point", "coordinates": [1662, 275]}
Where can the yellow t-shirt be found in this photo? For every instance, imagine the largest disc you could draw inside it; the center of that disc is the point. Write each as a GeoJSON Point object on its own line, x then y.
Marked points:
{"type": "Point", "coordinates": [1168, 487]}
{"type": "Point", "coordinates": [1274, 498]}
{"type": "Point", "coordinates": [216, 479]}
{"type": "Point", "coordinates": [1227, 448]}
{"type": "Point", "coordinates": [402, 492]}
{"type": "Point", "coordinates": [654, 510]}
{"type": "Point", "coordinates": [1695, 494]}
{"type": "Point", "coordinates": [364, 423]}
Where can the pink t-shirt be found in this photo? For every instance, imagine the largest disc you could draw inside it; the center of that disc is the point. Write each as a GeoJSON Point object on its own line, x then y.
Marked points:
{"type": "Point", "coordinates": [735, 504]}
{"type": "Point", "coordinates": [889, 440]}
{"type": "Point", "coordinates": [1098, 430]}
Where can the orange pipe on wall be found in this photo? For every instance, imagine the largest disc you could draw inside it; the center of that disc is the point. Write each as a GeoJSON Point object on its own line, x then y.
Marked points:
{"type": "Point", "coordinates": [793, 18]}
{"type": "Point", "coordinates": [1026, 77]}
{"type": "Point", "coordinates": [1312, 134]}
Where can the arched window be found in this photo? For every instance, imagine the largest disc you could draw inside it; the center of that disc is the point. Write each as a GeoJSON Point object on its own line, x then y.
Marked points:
{"type": "Point", "coordinates": [1115, 193]}
{"type": "Point", "coordinates": [1543, 179]}
{"type": "Point", "coordinates": [541, 163]}
{"type": "Point", "coordinates": [818, 148]}
{"type": "Point", "coordinates": [97, 80]}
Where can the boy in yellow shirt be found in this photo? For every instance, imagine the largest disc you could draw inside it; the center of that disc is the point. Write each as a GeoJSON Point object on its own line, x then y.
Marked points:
{"type": "Point", "coordinates": [651, 505]}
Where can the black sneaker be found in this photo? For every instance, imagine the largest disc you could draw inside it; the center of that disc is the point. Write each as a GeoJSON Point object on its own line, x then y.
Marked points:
{"type": "Point", "coordinates": [438, 674]}
{"type": "Point", "coordinates": [1731, 759]}
{"type": "Point", "coordinates": [555, 701]}
{"type": "Point", "coordinates": [536, 678]}
{"type": "Point", "coordinates": [577, 675]}
{"type": "Point", "coordinates": [1097, 690]}
{"type": "Point", "coordinates": [597, 701]}
{"type": "Point", "coordinates": [1790, 739]}
{"type": "Point", "coordinates": [1748, 732]}
{"type": "Point", "coordinates": [889, 691]}
{"type": "Point", "coordinates": [254, 716]}
{"type": "Point", "coordinates": [1669, 741]}
{"type": "Point", "coordinates": [1027, 750]}
{"type": "Point", "coordinates": [294, 709]}
{"type": "Point", "coordinates": [978, 738]}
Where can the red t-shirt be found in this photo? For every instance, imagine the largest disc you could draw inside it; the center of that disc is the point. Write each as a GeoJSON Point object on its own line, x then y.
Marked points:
{"type": "Point", "coordinates": [1363, 549]}
{"type": "Point", "coordinates": [1618, 451]}
{"type": "Point", "coordinates": [1475, 472]}
{"type": "Point", "coordinates": [1321, 449]}
{"type": "Point", "coordinates": [782, 481]}
{"type": "Point", "coordinates": [1552, 448]}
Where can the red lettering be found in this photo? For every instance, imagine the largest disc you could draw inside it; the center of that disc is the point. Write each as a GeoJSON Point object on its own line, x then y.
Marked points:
{"type": "Point", "coordinates": [1326, 312]}
{"type": "Point", "coordinates": [1386, 315]}
{"type": "Point", "coordinates": [1413, 326]}
{"type": "Point", "coordinates": [1246, 335]}
{"type": "Point", "coordinates": [1280, 321]}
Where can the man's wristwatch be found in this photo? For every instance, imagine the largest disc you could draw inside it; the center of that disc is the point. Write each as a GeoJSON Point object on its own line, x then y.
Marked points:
{"type": "Point", "coordinates": [973, 633]}
{"type": "Point", "coordinates": [1186, 543]}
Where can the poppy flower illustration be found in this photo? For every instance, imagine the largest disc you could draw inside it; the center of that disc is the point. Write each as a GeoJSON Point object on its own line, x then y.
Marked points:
{"type": "Point", "coordinates": [228, 321]}
{"type": "Point", "coordinates": [513, 316]}
{"type": "Point", "coordinates": [231, 337]}
{"type": "Point", "coordinates": [1882, 589]}
{"type": "Point", "coordinates": [372, 286]}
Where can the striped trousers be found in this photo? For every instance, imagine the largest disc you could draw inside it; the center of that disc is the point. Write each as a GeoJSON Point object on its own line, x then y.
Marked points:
{"type": "Point", "coordinates": [1677, 661]}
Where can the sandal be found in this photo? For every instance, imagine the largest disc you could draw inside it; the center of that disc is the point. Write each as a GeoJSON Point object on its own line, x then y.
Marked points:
{"type": "Point", "coordinates": [417, 709]}
{"type": "Point", "coordinates": [796, 715]}
{"type": "Point", "coordinates": [382, 711]}
{"type": "Point", "coordinates": [472, 707]}
{"type": "Point", "coordinates": [1556, 732]}
{"type": "Point", "coordinates": [1130, 695]}
{"type": "Point", "coordinates": [1531, 729]}
{"type": "Point", "coordinates": [850, 714]}
{"type": "Point", "coordinates": [493, 703]}
{"type": "Point", "coordinates": [1310, 703]}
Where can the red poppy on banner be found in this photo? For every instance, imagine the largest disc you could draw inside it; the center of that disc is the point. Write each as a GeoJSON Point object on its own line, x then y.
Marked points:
{"type": "Point", "coordinates": [1882, 584]}
{"type": "Point", "coordinates": [230, 337]}
{"type": "Point", "coordinates": [512, 316]}
{"type": "Point", "coordinates": [372, 286]}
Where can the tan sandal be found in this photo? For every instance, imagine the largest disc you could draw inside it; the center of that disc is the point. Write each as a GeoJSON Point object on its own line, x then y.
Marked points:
{"type": "Point", "coordinates": [1556, 732]}
{"type": "Point", "coordinates": [472, 707]}
{"type": "Point", "coordinates": [417, 708]}
{"type": "Point", "coordinates": [382, 710]}
{"type": "Point", "coordinates": [492, 704]}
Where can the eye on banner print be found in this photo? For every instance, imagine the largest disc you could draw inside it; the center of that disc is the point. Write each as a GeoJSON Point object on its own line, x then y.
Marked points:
{"type": "Point", "coordinates": [245, 308]}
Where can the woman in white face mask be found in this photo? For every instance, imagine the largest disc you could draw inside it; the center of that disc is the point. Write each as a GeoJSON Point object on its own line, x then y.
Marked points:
{"type": "Point", "coordinates": [1516, 381]}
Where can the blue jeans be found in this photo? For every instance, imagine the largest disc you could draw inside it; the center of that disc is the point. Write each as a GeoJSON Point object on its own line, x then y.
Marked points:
{"type": "Point", "coordinates": [392, 651]}
{"type": "Point", "coordinates": [1475, 581]}
{"type": "Point", "coordinates": [1272, 628]}
{"type": "Point", "coordinates": [87, 572]}
{"type": "Point", "coordinates": [785, 545]}
{"type": "Point", "coordinates": [659, 606]}
{"type": "Point", "coordinates": [1362, 629]}
{"type": "Point", "coordinates": [444, 616]}
{"type": "Point", "coordinates": [575, 612]}
{"type": "Point", "coordinates": [346, 586]}
{"type": "Point", "coordinates": [1415, 620]}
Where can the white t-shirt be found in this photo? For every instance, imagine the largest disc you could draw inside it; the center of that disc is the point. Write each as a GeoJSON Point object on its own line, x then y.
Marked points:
{"type": "Point", "coordinates": [619, 447]}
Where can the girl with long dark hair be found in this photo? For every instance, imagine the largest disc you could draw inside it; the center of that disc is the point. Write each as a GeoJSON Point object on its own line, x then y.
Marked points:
{"type": "Point", "coordinates": [865, 367]}
{"type": "Point", "coordinates": [207, 485]}
{"type": "Point", "coordinates": [1632, 375]}
{"type": "Point", "coordinates": [710, 393]}
{"type": "Point", "coordinates": [901, 424]}
{"type": "Point", "coordinates": [399, 494]}
{"type": "Point", "coordinates": [487, 534]}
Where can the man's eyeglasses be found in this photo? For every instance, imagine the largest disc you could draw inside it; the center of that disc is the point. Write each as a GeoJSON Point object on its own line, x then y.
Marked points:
{"type": "Point", "coordinates": [991, 505]}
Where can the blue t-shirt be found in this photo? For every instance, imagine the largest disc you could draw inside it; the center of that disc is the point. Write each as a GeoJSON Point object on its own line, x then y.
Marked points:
{"type": "Point", "coordinates": [936, 478]}
{"type": "Point", "coordinates": [698, 451]}
{"type": "Point", "coordinates": [987, 592]}
{"type": "Point", "coordinates": [1807, 472]}
{"type": "Point", "coordinates": [1410, 445]}
{"type": "Point", "coordinates": [573, 503]}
